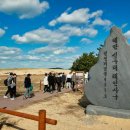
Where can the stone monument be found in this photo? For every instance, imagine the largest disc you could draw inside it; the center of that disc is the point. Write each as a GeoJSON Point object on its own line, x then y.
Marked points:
{"type": "Point", "coordinates": [109, 84]}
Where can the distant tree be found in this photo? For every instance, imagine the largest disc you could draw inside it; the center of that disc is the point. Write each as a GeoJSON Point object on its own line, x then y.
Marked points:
{"type": "Point", "coordinates": [84, 62]}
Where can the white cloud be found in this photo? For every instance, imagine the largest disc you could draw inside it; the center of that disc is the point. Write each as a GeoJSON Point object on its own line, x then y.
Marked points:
{"type": "Point", "coordinates": [124, 25]}
{"type": "Point", "coordinates": [71, 30]}
{"type": "Point", "coordinates": [11, 57]}
{"type": "Point", "coordinates": [86, 40]}
{"type": "Point", "coordinates": [77, 31]}
{"type": "Point", "coordinates": [53, 50]}
{"type": "Point", "coordinates": [65, 50]}
{"type": "Point", "coordinates": [53, 22]}
{"type": "Point", "coordinates": [2, 62]}
{"type": "Point", "coordinates": [127, 34]}
{"type": "Point", "coordinates": [23, 8]}
{"type": "Point", "coordinates": [42, 50]}
{"type": "Point", "coordinates": [42, 35]}
{"type": "Point", "coordinates": [5, 57]}
{"type": "Point", "coordinates": [9, 51]}
{"type": "Point", "coordinates": [79, 16]}
{"type": "Point", "coordinates": [101, 22]}
{"type": "Point", "coordinates": [2, 32]}
{"type": "Point", "coordinates": [54, 37]}
{"type": "Point", "coordinates": [91, 32]}
{"type": "Point", "coordinates": [97, 13]}
{"type": "Point", "coordinates": [27, 58]}
{"type": "Point", "coordinates": [15, 54]}
{"type": "Point", "coordinates": [8, 54]}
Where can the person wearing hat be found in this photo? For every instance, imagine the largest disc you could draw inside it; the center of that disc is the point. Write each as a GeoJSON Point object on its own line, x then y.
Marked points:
{"type": "Point", "coordinates": [27, 85]}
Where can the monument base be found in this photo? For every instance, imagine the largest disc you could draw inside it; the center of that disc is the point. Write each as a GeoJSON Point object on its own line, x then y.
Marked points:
{"type": "Point", "coordinates": [99, 110]}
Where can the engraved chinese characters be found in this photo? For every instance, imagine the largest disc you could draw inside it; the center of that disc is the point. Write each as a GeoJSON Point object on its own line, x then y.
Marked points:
{"type": "Point", "coordinates": [115, 68]}
{"type": "Point", "coordinates": [105, 74]}
{"type": "Point", "coordinates": [109, 85]}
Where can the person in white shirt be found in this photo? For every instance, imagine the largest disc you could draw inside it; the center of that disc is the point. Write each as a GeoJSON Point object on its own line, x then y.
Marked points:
{"type": "Point", "coordinates": [68, 80]}
{"type": "Point", "coordinates": [45, 83]}
{"type": "Point", "coordinates": [86, 77]}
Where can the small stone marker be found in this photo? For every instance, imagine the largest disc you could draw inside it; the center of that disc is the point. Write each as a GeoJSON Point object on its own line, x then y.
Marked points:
{"type": "Point", "coordinates": [109, 84]}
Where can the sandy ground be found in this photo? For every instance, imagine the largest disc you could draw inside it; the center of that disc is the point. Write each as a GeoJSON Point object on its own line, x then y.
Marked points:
{"type": "Point", "coordinates": [31, 71]}
{"type": "Point", "coordinates": [70, 116]}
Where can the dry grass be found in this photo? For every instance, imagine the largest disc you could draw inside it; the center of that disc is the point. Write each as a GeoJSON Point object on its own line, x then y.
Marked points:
{"type": "Point", "coordinates": [23, 71]}
{"type": "Point", "coordinates": [69, 114]}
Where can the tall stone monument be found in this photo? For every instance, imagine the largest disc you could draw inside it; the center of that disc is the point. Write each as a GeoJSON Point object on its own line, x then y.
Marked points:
{"type": "Point", "coordinates": [109, 84]}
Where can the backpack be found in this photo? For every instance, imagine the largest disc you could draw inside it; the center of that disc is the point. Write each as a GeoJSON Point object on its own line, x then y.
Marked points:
{"type": "Point", "coordinates": [5, 82]}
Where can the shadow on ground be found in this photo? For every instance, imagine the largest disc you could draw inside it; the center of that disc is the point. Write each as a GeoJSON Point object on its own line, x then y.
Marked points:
{"type": "Point", "coordinates": [84, 102]}
{"type": "Point", "coordinates": [22, 94]}
{"type": "Point", "coordinates": [3, 122]}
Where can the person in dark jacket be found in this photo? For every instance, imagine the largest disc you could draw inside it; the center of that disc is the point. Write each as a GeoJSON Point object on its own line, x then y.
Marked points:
{"type": "Point", "coordinates": [51, 82]}
{"type": "Point", "coordinates": [14, 88]}
{"type": "Point", "coordinates": [54, 82]}
{"type": "Point", "coordinates": [27, 85]}
{"type": "Point", "coordinates": [63, 80]}
{"type": "Point", "coordinates": [59, 81]}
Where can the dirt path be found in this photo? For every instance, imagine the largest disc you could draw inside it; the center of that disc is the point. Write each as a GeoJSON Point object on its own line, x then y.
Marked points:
{"type": "Point", "coordinates": [19, 102]}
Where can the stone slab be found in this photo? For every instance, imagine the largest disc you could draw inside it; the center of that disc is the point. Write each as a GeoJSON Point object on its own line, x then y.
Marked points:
{"type": "Point", "coordinates": [99, 110]}
{"type": "Point", "coordinates": [109, 84]}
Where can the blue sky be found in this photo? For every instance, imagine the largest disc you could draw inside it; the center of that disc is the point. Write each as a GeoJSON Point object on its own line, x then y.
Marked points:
{"type": "Point", "coordinates": [53, 33]}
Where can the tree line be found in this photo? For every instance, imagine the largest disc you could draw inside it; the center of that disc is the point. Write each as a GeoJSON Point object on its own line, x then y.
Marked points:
{"type": "Point", "coordinates": [86, 61]}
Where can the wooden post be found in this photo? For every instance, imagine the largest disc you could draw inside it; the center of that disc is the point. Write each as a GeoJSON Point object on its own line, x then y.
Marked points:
{"type": "Point", "coordinates": [27, 116]}
{"type": "Point", "coordinates": [42, 120]}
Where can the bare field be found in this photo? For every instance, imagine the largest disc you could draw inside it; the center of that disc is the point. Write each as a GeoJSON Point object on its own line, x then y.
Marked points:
{"type": "Point", "coordinates": [24, 71]}
{"type": "Point", "coordinates": [70, 115]}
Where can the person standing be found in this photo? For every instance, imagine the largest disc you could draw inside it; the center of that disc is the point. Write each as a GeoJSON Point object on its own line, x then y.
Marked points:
{"type": "Point", "coordinates": [51, 82]}
{"type": "Point", "coordinates": [69, 80]}
{"type": "Point", "coordinates": [73, 81]}
{"type": "Point", "coordinates": [59, 80]}
{"type": "Point", "coordinates": [15, 81]}
{"type": "Point", "coordinates": [12, 88]}
{"type": "Point", "coordinates": [9, 82]}
{"type": "Point", "coordinates": [86, 77]}
{"type": "Point", "coordinates": [27, 85]}
{"type": "Point", "coordinates": [63, 80]}
{"type": "Point", "coordinates": [56, 85]}
{"type": "Point", "coordinates": [45, 83]}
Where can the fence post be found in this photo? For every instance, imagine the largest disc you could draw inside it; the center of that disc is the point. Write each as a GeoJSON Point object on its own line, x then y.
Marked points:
{"type": "Point", "coordinates": [42, 120]}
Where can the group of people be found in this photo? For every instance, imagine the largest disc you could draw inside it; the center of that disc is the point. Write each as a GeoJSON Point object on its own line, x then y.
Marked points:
{"type": "Point", "coordinates": [10, 82]}
{"type": "Point", "coordinates": [56, 81]}
{"type": "Point", "coordinates": [51, 82]}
